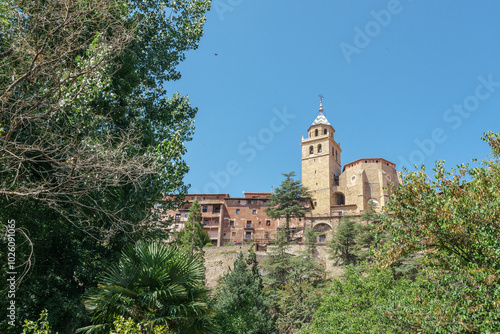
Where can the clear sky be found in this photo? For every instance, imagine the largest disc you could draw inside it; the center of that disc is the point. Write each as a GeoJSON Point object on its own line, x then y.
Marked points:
{"type": "Point", "coordinates": [408, 81]}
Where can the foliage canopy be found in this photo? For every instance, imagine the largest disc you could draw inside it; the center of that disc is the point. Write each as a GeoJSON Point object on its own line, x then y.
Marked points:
{"type": "Point", "coordinates": [153, 282]}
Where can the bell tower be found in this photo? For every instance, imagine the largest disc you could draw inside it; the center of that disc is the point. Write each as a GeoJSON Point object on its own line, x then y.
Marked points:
{"type": "Point", "coordinates": [321, 164]}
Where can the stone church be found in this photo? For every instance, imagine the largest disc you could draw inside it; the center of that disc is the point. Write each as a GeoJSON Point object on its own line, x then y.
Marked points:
{"type": "Point", "coordinates": [336, 191]}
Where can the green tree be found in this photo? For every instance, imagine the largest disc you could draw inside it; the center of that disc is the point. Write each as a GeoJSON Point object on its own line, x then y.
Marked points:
{"type": "Point", "coordinates": [343, 242]}
{"type": "Point", "coordinates": [292, 279]}
{"type": "Point", "coordinates": [37, 327]}
{"type": "Point", "coordinates": [296, 304]}
{"type": "Point", "coordinates": [128, 326]}
{"type": "Point", "coordinates": [283, 265]}
{"type": "Point", "coordinates": [289, 200]}
{"type": "Point", "coordinates": [193, 237]}
{"type": "Point", "coordinates": [279, 262]}
{"type": "Point", "coordinates": [353, 241]}
{"type": "Point", "coordinates": [86, 121]}
{"type": "Point", "coordinates": [153, 282]}
{"type": "Point", "coordinates": [63, 262]}
{"type": "Point", "coordinates": [296, 292]}
{"type": "Point", "coordinates": [305, 267]}
{"type": "Point", "coordinates": [452, 222]}
{"type": "Point", "coordinates": [90, 137]}
{"type": "Point", "coordinates": [310, 240]}
{"type": "Point", "coordinates": [356, 304]}
{"type": "Point", "coordinates": [240, 301]}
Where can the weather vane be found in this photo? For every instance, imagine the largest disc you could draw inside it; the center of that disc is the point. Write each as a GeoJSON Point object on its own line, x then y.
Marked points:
{"type": "Point", "coordinates": [321, 97]}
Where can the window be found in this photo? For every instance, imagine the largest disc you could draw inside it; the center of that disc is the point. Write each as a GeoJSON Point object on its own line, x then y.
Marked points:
{"type": "Point", "coordinates": [237, 211]}
{"type": "Point", "coordinates": [311, 150]}
{"type": "Point", "coordinates": [176, 226]}
{"type": "Point", "coordinates": [339, 198]}
{"type": "Point", "coordinates": [217, 197]}
{"type": "Point", "coordinates": [264, 202]}
{"type": "Point", "coordinates": [185, 215]}
{"type": "Point", "coordinates": [177, 217]}
{"type": "Point", "coordinates": [249, 202]}
{"type": "Point", "coordinates": [249, 223]}
{"type": "Point", "coordinates": [203, 198]}
{"type": "Point", "coordinates": [300, 219]}
{"type": "Point", "coordinates": [217, 209]}
{"type": "Point", "coordinates": [239, 201]}
{"type": "Point", "coordinates": [217, 222]}
{"type": "Point", "coordinates": [268, 223]}
{"type": "Point", "coordinates": [224, 234]}
{"type": "Point", "coordinates": [266, 235]}
{"type": "Point", "coordinates": [205, 222]}
{"type": "Point", "coordinates": [325, 131]}
{"type": "Point", "coordinates": [192, 198]}
{"type": "Point", "coordinates": [254, 212]}
{"type": "Point", "coordinates": [316, 132]}
{"type": "Point", "coordinates": [205, 209]}
{"type": "Point", "coordinates": [322, 238]}
{"type": "Point", "coordinates": [319, 148]}
{"type": "Point", "coordinates": [231, 223]}
{"type": "Point", "coordinates": [233, 234]}
{"type": "Point", "coordinates": [248, 235]}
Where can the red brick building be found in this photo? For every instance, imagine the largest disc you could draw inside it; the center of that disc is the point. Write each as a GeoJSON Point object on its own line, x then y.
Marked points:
{"type": "Point", "coordinates": [234, 219]}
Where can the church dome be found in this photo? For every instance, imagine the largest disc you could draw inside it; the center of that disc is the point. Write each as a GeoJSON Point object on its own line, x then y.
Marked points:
{"type": "Point", "coordinates": [321, 118]}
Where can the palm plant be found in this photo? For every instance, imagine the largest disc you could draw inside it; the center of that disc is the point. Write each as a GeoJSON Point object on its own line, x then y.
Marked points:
{"type": "Point", "coordinates": [155, 283]}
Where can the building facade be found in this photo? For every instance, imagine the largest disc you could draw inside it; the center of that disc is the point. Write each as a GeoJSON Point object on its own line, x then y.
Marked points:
{"type": "Point", "coordinates": [336, 191]}
{"type": "Point", "coordinates": [233, 220]}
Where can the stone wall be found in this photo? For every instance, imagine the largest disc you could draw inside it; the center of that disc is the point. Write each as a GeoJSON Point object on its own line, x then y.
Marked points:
{"type": "Point", "coordinates": [218, 260]}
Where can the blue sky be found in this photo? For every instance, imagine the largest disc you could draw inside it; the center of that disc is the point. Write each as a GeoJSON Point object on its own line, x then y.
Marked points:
{"type": "Point", "coordinates": [408, 81]}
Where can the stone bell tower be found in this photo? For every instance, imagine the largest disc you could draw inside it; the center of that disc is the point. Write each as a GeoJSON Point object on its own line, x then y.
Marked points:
{"type": "Point", "coordinates": [321, 166]}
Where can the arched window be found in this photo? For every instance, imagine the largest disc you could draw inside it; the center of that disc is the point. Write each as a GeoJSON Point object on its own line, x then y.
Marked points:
{"type": "Point", "coordinates": [319, 148]}
{"type": "Point", "coordinates": [373, 203]}
{"type": "Point", "coordinates": [325, 131]}
{"type": "Point", "coordinates": [339, 198]}
{"type": "Point", "coordinates": [311, 150]}
{"type": "Point", "coordinates": [316, 132]}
